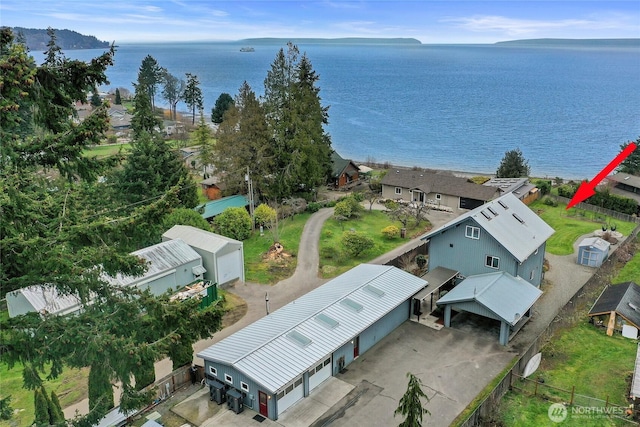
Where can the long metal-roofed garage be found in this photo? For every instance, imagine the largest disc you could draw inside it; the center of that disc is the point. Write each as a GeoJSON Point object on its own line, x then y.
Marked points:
{"type": "Point", "coordinates": [281, 358]}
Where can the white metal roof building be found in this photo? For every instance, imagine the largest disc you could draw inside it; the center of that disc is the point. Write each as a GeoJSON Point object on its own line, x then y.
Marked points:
{"type": "Point", "coordinates": [41, 299]}
{"type": "Point", "coordinates": [222, 256]}
{"type": "Point", "coordinates": [285, 355]}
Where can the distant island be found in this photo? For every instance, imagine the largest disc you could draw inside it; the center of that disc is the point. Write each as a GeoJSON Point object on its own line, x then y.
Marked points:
{"type": "Point", "coordinates": [343, 40]}
{"type": "Point", "coordinates": [37, 39]}
{"type": "Point", "coordinates": [573, 42]}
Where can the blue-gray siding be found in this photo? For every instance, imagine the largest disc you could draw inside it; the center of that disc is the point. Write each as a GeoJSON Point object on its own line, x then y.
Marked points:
{"type": "Point", "coordinates": [452, 249]}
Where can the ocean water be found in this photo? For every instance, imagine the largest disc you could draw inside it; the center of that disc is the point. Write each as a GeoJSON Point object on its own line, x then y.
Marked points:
{"type": "Point", "coordinates": [458, 107]}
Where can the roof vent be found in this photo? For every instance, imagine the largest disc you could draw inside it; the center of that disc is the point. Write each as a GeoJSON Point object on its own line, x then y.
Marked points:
{"type": "Point", "coordinates": [501, 203]}
{"type": "Point", "coordinates": [486, 215]}
{"type": "Point", "coordinates": [493, 211]}
{"type": "Point", "coordinates": [520, 220]}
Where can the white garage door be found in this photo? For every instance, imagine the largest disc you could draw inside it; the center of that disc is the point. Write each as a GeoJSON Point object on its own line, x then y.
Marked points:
{"type": "Point", "coordinates": [290, 395]}
{"type": "Point", "coordinates": [319, 373]}
{"type": "Point", "coordinates": [229, 267]}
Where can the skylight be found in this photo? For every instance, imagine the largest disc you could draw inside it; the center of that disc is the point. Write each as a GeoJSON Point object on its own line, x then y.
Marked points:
{"type": "Point", "coordinates": [486, 215]}
{"type": "Point", "coordinates": [501, 203]}
{"type": "Point", "coordinates": [375, 291]}
{"type": "Point", "coordinates": [299, 339]}
{"type": "Point", "coordinates": [493, 211]}
{"type": "Point", "coordinates": [520, 220]}
{"type": "Point", "coordinates": [352, 305]}
{"type": "Point", "coordinates": [327, 321]}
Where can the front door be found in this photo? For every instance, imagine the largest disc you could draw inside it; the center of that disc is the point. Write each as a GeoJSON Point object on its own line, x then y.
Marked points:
{"type": "Point", "coordinates": [262, 398]}
{"type": "Point", "coordinates": [356, 347]}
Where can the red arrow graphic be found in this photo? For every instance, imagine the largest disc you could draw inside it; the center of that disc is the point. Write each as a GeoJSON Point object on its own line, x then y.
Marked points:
{"type": "Point", "coordinates": [588, 189]}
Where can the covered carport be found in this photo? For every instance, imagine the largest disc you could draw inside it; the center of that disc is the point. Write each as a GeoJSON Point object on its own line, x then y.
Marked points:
{"type": "Point", "coordinates": [438, 279]}
{"type": "Point", "coordinates": [498, 296]}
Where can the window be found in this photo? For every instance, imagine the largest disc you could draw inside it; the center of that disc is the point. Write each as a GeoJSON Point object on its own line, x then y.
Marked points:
{"type": "Point", "coordinates": [228, 378]}
{"type": "Point", "coordinates": [244, 386]}
{"type": "Point", "coordinates": [472, 232]}
{"type": "Point", "coordinates": [326, 362]}
{"type": "Point", "coordinates": [398, 190]}
{"type": "Point", "coordinates": [289, 388]}
{"type": "Point", "coordinates": [298, 382]}
{"type": "Point", "coordinates": [280, 395]}
{"type": "Point", "coordinates": [492, 261]}
{"type": "Point", "coordinates": [438, 196]}
{"type": "Point", "coordinates": [213, 371]}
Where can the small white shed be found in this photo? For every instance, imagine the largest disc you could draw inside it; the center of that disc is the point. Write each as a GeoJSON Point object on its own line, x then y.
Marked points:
{"type": "Point", "coordinates": [593, 251]}
{"type": "Point", "coordinates": [222, 257]}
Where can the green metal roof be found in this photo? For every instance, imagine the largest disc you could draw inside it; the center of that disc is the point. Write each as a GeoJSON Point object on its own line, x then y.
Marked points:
{"type": "Point", "coordinates": [216, 207]}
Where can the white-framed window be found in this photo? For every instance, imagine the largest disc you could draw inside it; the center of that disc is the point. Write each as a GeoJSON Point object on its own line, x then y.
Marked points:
{"type": "Point", "coordinates": [438, 196]}
{"type": "Point", "coordinates": [228, 378]}
{"type": "Point", "coordinates": [472, 232]}
{"type": "Point", "coordinates": [244, 386]}
{"type": "Point", "coordinates": [213, 371]}
{"type": "Point", "coordinates": [398, 190]}
{"type": "Point", "coordinates": [492, 261]}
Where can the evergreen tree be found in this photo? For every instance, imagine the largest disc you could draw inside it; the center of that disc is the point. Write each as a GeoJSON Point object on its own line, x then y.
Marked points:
{"type": "Point", "coordinates": [193, 95]}
{"type": "Point", "coordinates": [56, 413]}
{"type": "Point", "coordinates": [95, 99]}
{"type": "Point", "coordinates": [631, 164]}
{"type": "Point", "coordinates": [243, 143]}
{"type": "Point", "coordinates": [410, 405]}
{"type": "Point", "coordinates": [118, 100]}
{"type": "Point", "coordinates": [296, 117]}
{"type": "Point", "coordinates": [41, 412]}
{"type": "Point", "coordinates": [150, 76]}
{"type": "Point", "coordinates": [513, 165]}
{"type": "Point", "coordinates": [223, 103]}
{"type": "Point", "coordinates": [144, 120]}
{"type": "Point", "coordinates": [6, 412]}
{"type": "Point", "coordinates": [100, 389]}
{"type": "Point", "coordinates": [202, 138]}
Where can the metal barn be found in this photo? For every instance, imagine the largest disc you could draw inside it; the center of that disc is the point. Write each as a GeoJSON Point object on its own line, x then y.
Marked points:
{"type": "Point", "coordinates": [283, 357]}
{"type": "Point", "coordinates": [222, 257]}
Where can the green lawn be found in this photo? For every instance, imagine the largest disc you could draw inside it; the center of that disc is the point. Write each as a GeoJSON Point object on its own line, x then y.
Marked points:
{"type": "Point", "coordinates": [333, 261]}
{"type": "Point", "coordinates": [585, 357]}
{"type": "Point", "coordinates": [256, 270]}
{"type": "Point", "coordinates": [630, 271]}
{"type": "Point", "coordinates": [101, 151]}
{"type": "Point", "coordinates": [71, 387]}
{"type": "Point", "coordinates": [570, 225]}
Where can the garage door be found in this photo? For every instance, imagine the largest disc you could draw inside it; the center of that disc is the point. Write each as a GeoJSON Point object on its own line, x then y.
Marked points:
{"type": "Point", "coordinates": [229, 267]}
{"type": "Point", "coordinates": [319, 373]}
{"type": "Point", "coordinates": [290, 395]}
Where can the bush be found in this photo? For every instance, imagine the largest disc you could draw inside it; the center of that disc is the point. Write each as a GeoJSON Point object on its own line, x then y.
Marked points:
{"type": "Point", "coordinates": [264, 214]}
{"type": "Point", "coordinates": [329, 252]}
{"type": "Point", "coordinates": [314, 207]}
{"type": "Point", "coordinates": [112, 139]}
{"type": "Point", "coordinates": [544, 186]}
{"type": "Point", "coordinates": [479, 179]}
{"type": "Point", "coordinates": [356, 243]}
{"type": "Point", "coordinates": [391, 232]}
{"type": "Point", "coordinates": [549, 201]}
{"type": "Point", "coordinates": [421, 260]}
{"type": "Point", "coordinates": [234, 223]}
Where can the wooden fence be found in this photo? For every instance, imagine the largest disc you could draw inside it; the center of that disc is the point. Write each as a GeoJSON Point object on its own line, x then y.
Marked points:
{"type": "Point", "coordinates": [602, 211]}
{"type": "Point", "coordinates": [566, 317]}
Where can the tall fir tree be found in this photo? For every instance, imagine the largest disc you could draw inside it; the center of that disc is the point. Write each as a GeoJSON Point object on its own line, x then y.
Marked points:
{"type": "Point", "coordinates": [56, 413]}
{"type": "Point", "coordinates": [149, 77]}
{"type": "Point", "coordinates": [192, 95]}
{"type": "Point", "coordinates": [410, 405]}
{"type": "Point", "coordinates": [41, 413]}
{"type": "Point", "coordinates": [172, 91]}
{"type": "Point", "coordinates": [631, 164]}
{"type": "Point", "coordinates": [513, 165]}
{"type": "Point", "coordinates": [223, 103]}
{"type": "Point", "coordinates": [118, 99]}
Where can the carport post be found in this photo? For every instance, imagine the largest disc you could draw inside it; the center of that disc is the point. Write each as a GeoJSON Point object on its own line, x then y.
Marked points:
{"type": "Point", "coordinates": [447, 316]}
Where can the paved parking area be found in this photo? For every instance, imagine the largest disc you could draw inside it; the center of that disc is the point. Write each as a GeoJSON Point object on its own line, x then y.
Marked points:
{"type": "Point", "coordinates": [454, 367]}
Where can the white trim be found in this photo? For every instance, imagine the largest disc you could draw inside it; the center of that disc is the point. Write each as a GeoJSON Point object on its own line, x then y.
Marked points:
{"type": "Point", "coordinates": [244, 386]}
{"type": "Point", "coordinates": [492, 262]}
{"type": "Point", "coordinates": [398, 190]}
{"type": "Point", "coordinates": [472, 232]}
{"type": "Point", "coordinates": [228, 378]}
{"type": "Point", "coordinates": [213, 371]}
{"type": "Point", "coordinates": [438, 196]}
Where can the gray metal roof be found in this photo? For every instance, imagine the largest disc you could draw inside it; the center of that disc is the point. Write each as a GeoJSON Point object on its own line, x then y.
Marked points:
{"type": "Point", "coordinates": [508, 297]}
{"type": "Point", "coordinates": [626, 178]}
{"type": "Point", "coordinates": [46, 298]}
{"type": "Point", "coordinates": [635, 382]}
{"type": "Point", "coordinates": [506, 185]}
{"type": "Point", "coordinates": [595, 242]}
{"type": "Point", "coordinates": [269, 353]}
{"type": "Point", "coordinates": [198, 238]}
{"type": "Point", "coordinates": [516, 227]}
{"type": "Point", "coordinates": [160, 258]}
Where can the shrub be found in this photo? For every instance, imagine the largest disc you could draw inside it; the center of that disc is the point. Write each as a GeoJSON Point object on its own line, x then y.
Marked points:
{"type": "Point", "coordinates": [391, 232]}
{"type": "Point", "coordinates": [342, 209]}
{"type": "Point", "coordinates": [544, 186]}
{"type": "Point", "coordinates": [356, 243]}
{"type": "Point", "coordinates": [479, 179]}
{"type": "Point", "coordinates": [314, 207]}
{"type": "Point", "coordinates": [329, 252]}
{"type": "Point", "coordinates": [549, 201]}
{"type": "Point", "coordinates": [264, 214]}
{"type": "Point", "coordinates": [112, 139]}
{"type": "Point", "coordinates": [234, 223]}
{"type": "Point", "coordinates": [421, 260]}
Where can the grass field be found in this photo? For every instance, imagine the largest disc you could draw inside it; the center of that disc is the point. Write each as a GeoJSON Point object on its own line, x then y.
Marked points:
{"type": "Point", "coordinates": [333, 261]}
{"type": "Point", "coordinates": [585, 357]}
{"type": "Point", "coordinates": [631, 270]}
{"type": "Point", "coordinates": [101, 151]}
{"type": "Point", "coordinates": [70, 387]}
{"type": "Point", "coordinates": [256, 246]}
{"type": "Point", "coordinates": [570, 225]}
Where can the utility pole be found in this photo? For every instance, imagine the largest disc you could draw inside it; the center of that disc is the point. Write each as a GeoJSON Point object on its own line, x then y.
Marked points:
{"type": "Point", "coordinates": [247, 178]}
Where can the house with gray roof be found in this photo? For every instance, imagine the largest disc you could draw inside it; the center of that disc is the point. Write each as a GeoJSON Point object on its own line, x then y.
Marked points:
{"type": "Point", "coordinates": [617, 305]}
{"type": "Point", "coordinates": [501, 235]}
{"type": "Point", "coordinates": [498, 296]}
{"type": "Point", "coordinates": [436, 189]}
{"type": "Point", "coordinates": [626, 185]}
{"type": "Point", "coordinates": [520, 187]}
{"type": "Point", "coordinates": [282, 358]}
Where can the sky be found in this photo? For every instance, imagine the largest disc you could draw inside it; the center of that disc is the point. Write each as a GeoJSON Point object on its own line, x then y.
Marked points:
{"type": "Point", "coordinates": [431, 22]}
